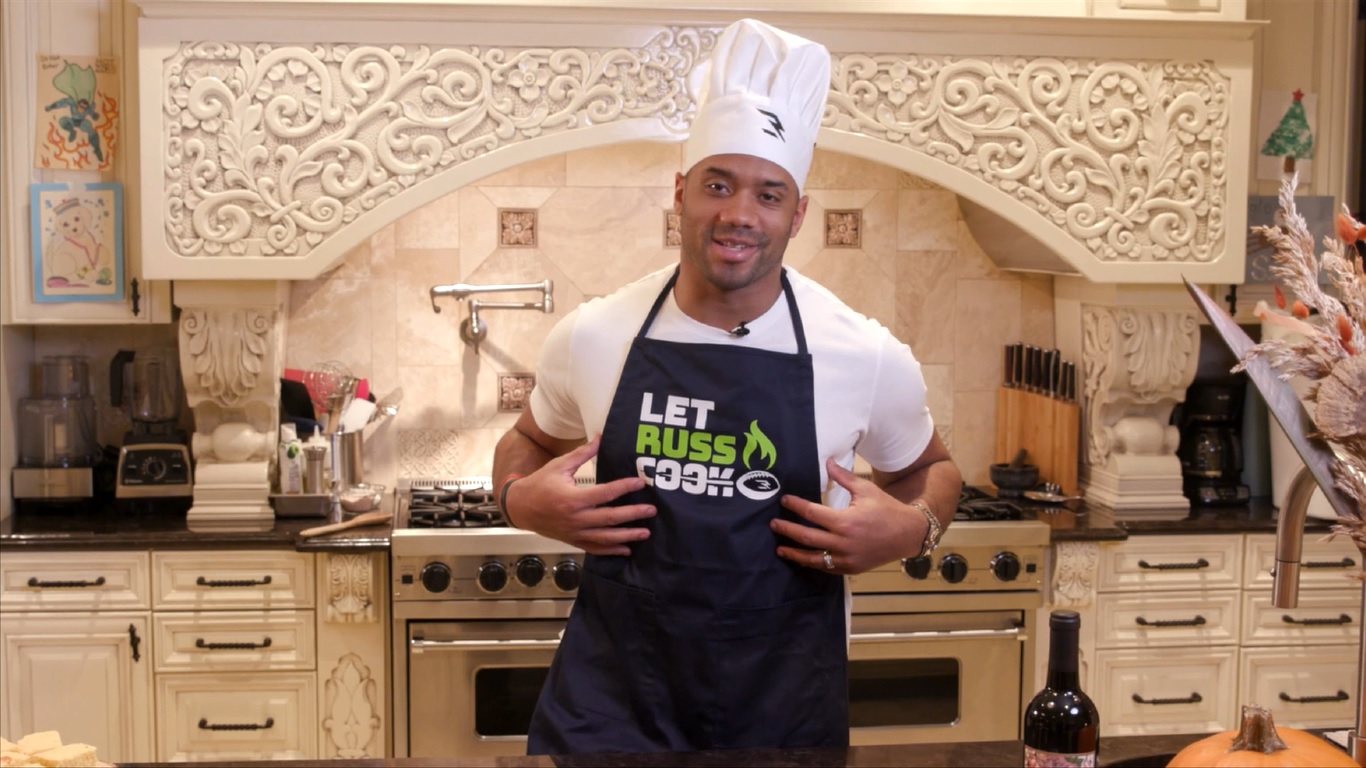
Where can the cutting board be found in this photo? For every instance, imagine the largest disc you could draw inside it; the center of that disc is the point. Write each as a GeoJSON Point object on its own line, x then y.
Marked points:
{"type": "Point", "coordinates": [1048, 428]}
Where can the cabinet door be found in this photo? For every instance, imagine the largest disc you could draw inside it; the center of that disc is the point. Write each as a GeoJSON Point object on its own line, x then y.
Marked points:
{"type": "Point", "coordinates": [1323, 564]}
{"type": "Point", "coordinates": [87, 676]}
{"type": "Point", "coordinates": [72, 27]}
{"type": "Point", "coordinates": [1166, 690]}
{"type": "Point", "coordinates": [1305, 687]}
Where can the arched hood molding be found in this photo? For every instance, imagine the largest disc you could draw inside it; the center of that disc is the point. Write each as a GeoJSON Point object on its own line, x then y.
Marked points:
{"type": "Point", "coordinates": [1117, 145]}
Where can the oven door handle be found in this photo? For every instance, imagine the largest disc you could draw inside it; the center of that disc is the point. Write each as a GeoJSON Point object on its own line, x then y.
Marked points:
{"type": "Point", "coordinates": [419, 645]}
{"type": "Point", "coordinates": [948, 634]}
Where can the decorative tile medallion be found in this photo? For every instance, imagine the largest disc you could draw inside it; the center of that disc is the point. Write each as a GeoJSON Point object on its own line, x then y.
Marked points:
{"type": "Point", "coordinates": [673, 234]}
{"type": "Point", "coordinates": [516, 228]}
{"type": "Point", "coordinates": [429, 453]}
{"type": "Point", "coordinates": [843, 229]}
{"type": "Point", "coordinates": [514, 390]}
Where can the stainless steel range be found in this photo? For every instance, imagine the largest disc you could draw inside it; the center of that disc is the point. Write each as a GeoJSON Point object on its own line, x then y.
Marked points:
{"type": "Point", "coordinates": [940, 648]}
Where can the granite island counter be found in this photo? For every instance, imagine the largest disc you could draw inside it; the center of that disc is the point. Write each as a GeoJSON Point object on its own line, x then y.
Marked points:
{"type": "Point", "coordinates": [1115, 752]}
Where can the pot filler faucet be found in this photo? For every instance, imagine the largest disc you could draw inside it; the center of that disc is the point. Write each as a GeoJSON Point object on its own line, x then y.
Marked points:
{"type": "Point", "coordinates": [1285, 586]}
{"type": "Point", "coordinates": [1284, 405]}
{"type": "Point", "coordinates": [474, 330]}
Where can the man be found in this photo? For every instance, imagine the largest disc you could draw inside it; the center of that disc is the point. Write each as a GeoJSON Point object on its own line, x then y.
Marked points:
{"type": "Point", "coordinates": [722, 398]}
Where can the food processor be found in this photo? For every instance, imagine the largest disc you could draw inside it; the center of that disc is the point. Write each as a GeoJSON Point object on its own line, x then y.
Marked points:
{"type": "Point", "coordinates": [57, 444]}
{"type": "Point", "coordinates": [154, 461]}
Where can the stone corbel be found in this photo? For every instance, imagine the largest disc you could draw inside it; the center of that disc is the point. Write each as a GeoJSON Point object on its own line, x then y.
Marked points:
{"type": "Point", "coordinates": [231, 358]}
{"type": "Point", "coordinates": [1139, 348]}
{"type": "Point", "coordinates": [1137, 365]}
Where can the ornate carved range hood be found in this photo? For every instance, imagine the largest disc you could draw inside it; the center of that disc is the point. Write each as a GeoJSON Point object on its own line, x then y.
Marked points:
{"type": "Point", "coordinates": [276, 137]}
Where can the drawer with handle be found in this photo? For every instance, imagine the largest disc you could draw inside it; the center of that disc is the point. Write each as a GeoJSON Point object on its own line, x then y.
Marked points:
{"type": "Point", "coordinates": [1307, 688]}
{"type": "Point", "coordinates": [66, 581]}
{"type": "Point", "coordinates": [1171, 562]}
{"type": "Point", "coordinates": [1323, 617]}
{"type": "Point", "coordinates": [1137, 620]}
{"type": "Point", "coordinates": [1175, 691]}
{"type": "Point", "coordinates": [234, 640]}
{"type": "Point", "coordinates": [237, 717]}
{"type": "Point", "coordinates": [1323, 564]}
{"type": "Point", "coordinates": [232, 580]}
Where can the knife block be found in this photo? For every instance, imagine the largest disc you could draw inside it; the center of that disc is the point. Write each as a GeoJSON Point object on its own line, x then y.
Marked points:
{"type": "Point", "coordinates": [1048, 428]}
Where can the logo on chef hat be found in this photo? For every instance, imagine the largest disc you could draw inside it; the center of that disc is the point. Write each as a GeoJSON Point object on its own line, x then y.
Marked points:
{"type": "Point", "coordinates": [758, 484]}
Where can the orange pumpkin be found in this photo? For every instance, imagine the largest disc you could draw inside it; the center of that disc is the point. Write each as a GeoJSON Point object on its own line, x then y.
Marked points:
{"type": "Point", "coordinates": [1258, 743]}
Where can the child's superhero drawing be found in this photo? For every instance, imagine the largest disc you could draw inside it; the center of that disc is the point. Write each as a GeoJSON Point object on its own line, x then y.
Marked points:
{"type": "Point", "coordinates": [77, 127]}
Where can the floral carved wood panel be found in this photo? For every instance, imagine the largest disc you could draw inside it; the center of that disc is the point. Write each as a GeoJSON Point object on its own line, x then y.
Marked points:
{"type": "Point", "coordinates": [271, 151]}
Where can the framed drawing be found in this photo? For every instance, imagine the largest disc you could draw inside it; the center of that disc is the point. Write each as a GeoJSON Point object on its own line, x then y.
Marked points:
{"type": "Point", "coordinates": [77, 234]}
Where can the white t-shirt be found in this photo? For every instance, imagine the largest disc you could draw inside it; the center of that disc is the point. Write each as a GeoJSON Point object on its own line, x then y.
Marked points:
{"type": "Point", "coordinates": [869, 392]}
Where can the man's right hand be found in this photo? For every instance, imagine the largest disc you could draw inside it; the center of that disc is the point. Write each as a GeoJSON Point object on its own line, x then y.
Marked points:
{"type": "Point", "coordinates": [549, 502]}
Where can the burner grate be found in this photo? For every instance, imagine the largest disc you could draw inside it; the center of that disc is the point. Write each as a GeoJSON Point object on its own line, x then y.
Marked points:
{"type": "Point", "coordinates": [976, 504]}
{"type": "Point", "coordinates": [463, 503]}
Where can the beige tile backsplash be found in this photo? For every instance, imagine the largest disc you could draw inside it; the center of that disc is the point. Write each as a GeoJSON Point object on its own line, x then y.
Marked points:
{"type": "Point", "coordinates": [600, 225]}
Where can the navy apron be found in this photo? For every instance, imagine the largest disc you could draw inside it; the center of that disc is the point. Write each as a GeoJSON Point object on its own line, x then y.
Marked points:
{"type": "Point", "coordinates": [703, 638]}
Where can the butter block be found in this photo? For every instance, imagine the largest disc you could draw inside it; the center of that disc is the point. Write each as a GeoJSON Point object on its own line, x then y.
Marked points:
{"type": "Point", "coordinates": [36, 742]}
{"type": "Point", "coordinates": [12, 759]}
{"type": "Point", "coordinates": [67, 756]}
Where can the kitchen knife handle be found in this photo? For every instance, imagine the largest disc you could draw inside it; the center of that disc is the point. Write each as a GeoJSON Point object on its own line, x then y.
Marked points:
{"type": "Point", "coordinates": [1019, 365]}
{"type": "Point", "coordinates": [1055, 375]}
{"type": "Point", "coordinates": [1010, 366]}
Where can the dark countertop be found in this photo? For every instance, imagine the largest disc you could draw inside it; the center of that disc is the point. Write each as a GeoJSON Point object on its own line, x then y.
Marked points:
{"type": "Point", "coordinates": [1114, 751]}
{"type": "Point", "coordinates": [91, 527]}
{"type": "Point", "coordinates": [1080, 521]}
{"type": "Point", "coordinates": [105, 527]}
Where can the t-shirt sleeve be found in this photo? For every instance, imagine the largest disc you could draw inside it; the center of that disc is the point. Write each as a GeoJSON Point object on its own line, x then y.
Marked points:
{"type": "Point", "coordinates": [900, 426]}
{"type": "Point", "coordinates": [552, 400]}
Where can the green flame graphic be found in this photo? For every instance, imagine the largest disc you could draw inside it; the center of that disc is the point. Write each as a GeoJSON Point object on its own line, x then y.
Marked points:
{"type": "Point", "coordinates": [756, 439]}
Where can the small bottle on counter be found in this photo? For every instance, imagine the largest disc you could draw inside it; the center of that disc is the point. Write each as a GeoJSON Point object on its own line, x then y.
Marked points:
{"type": "Point", "coordinates": [1061, 725]}
{"type": "Point", "coordinates": [291, 460]}
{"type": "Point", "coordinates": [318, 441]}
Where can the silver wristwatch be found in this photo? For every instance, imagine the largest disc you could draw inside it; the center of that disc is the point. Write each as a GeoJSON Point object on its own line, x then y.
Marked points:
{"type": "Point", "coordinates": [933, 531]}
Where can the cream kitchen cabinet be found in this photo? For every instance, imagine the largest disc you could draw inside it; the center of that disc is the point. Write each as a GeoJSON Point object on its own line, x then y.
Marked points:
{"type": "Point", "coordinates": [235, 655]}
{"type": "Point", "coordinates": [231, 654]}
{"type": "Point", "coordinates": [1167, 623]}
{"type": "Point", "coordinates": [74, 649]}
{"type": "Point", "coordinates": [73, 28]}
{"type": "Point", "coordinates": [1302, 661]}
{"type": "Point", "coordinates": [1179, 631]}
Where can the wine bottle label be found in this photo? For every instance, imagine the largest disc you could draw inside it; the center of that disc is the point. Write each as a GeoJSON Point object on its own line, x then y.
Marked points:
{"type": "Point", "coordinates": [1037, 758]}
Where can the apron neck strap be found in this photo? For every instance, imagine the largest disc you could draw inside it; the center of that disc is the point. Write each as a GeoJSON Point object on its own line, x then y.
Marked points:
{"type": "Point", "coordinates": [797, 329]}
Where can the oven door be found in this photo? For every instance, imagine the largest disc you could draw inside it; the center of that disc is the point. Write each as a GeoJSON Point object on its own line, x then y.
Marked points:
{"type": "Point", "coordinates": [937, 677]}
{"type": "Point", "coordinates": [472, 685]}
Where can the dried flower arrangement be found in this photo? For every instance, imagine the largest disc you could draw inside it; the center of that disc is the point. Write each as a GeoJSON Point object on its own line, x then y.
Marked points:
{"type": "Point", "coordinates": [1330, 352]}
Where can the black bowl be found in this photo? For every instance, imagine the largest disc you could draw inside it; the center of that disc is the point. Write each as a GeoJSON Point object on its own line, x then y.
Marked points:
{"type": "Point", "coordinates": [1012, 482]}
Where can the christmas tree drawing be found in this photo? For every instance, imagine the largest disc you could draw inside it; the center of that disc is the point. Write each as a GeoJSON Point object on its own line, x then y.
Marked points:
{"type": "Point", "coordinates": [1292, 139]}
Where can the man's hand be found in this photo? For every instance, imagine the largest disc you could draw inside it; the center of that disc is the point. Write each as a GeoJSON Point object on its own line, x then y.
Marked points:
{"type": "Point", "coordinates": [548, 502]}
{"type": "Point", "coordinates": [873, 530]}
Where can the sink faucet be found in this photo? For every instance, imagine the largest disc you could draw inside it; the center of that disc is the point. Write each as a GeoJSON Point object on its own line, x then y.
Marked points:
{"type": "Point", "coordinates": [1285, 588]}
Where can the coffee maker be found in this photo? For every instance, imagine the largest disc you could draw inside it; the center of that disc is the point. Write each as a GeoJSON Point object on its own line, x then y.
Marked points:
{"type": "Point", "coordinates": [58, 448]}
{"type": "Point", "coordinates": [154, 462]}
{"type": "Point", "coordinates": [1210, 421]}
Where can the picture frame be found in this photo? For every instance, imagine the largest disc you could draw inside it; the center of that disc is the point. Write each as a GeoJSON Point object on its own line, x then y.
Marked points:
{"type": "Point", "coordinates": [76, 233]}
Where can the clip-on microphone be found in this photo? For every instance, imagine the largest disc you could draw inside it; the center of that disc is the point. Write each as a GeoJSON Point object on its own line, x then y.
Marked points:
{"type": "Point", "coordinates": [740, 330]}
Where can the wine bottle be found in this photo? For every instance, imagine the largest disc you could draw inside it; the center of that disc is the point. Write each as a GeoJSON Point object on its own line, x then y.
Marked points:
{"type": "Point", "coordinates": [1061, 726]}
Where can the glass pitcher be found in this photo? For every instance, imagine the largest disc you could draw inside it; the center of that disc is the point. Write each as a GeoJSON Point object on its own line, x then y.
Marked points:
{"type": "Point", "coordinates": [147, 384]}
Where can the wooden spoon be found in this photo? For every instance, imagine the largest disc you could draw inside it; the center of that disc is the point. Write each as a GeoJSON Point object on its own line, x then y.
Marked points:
{"type": "Point", "coordinates": [368, 518]}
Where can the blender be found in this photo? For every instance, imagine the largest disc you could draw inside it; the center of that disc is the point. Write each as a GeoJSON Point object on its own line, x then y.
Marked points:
{"type": "Point", "coordinates": [57, 444]}
{"type": "Point", "coordinates": [154, 461]}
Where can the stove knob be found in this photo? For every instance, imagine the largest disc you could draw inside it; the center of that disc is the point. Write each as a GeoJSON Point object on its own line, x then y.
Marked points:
{"type": "Point", "coordinates": [530, 570]}
{"type": "Point", "coordinates": [953, 568]}
{"type": "Point", "coordinates": [436, 577]}
{"type": "Point", "coordinates": [567, 576]}
{"type": "Point", "coordinates": [917, 567]}
{"type": "Point", "coordinates": [493, 576]}
{"type": "Point", "coordinates": [1006, 566]}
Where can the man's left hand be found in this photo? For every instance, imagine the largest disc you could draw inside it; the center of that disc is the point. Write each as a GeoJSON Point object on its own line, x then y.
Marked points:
{"type": "Point", "coordinates": [873, 530]}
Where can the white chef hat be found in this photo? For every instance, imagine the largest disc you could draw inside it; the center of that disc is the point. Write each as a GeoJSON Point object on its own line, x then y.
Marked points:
{"type": "Point", "coordinates": [762, 95]}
